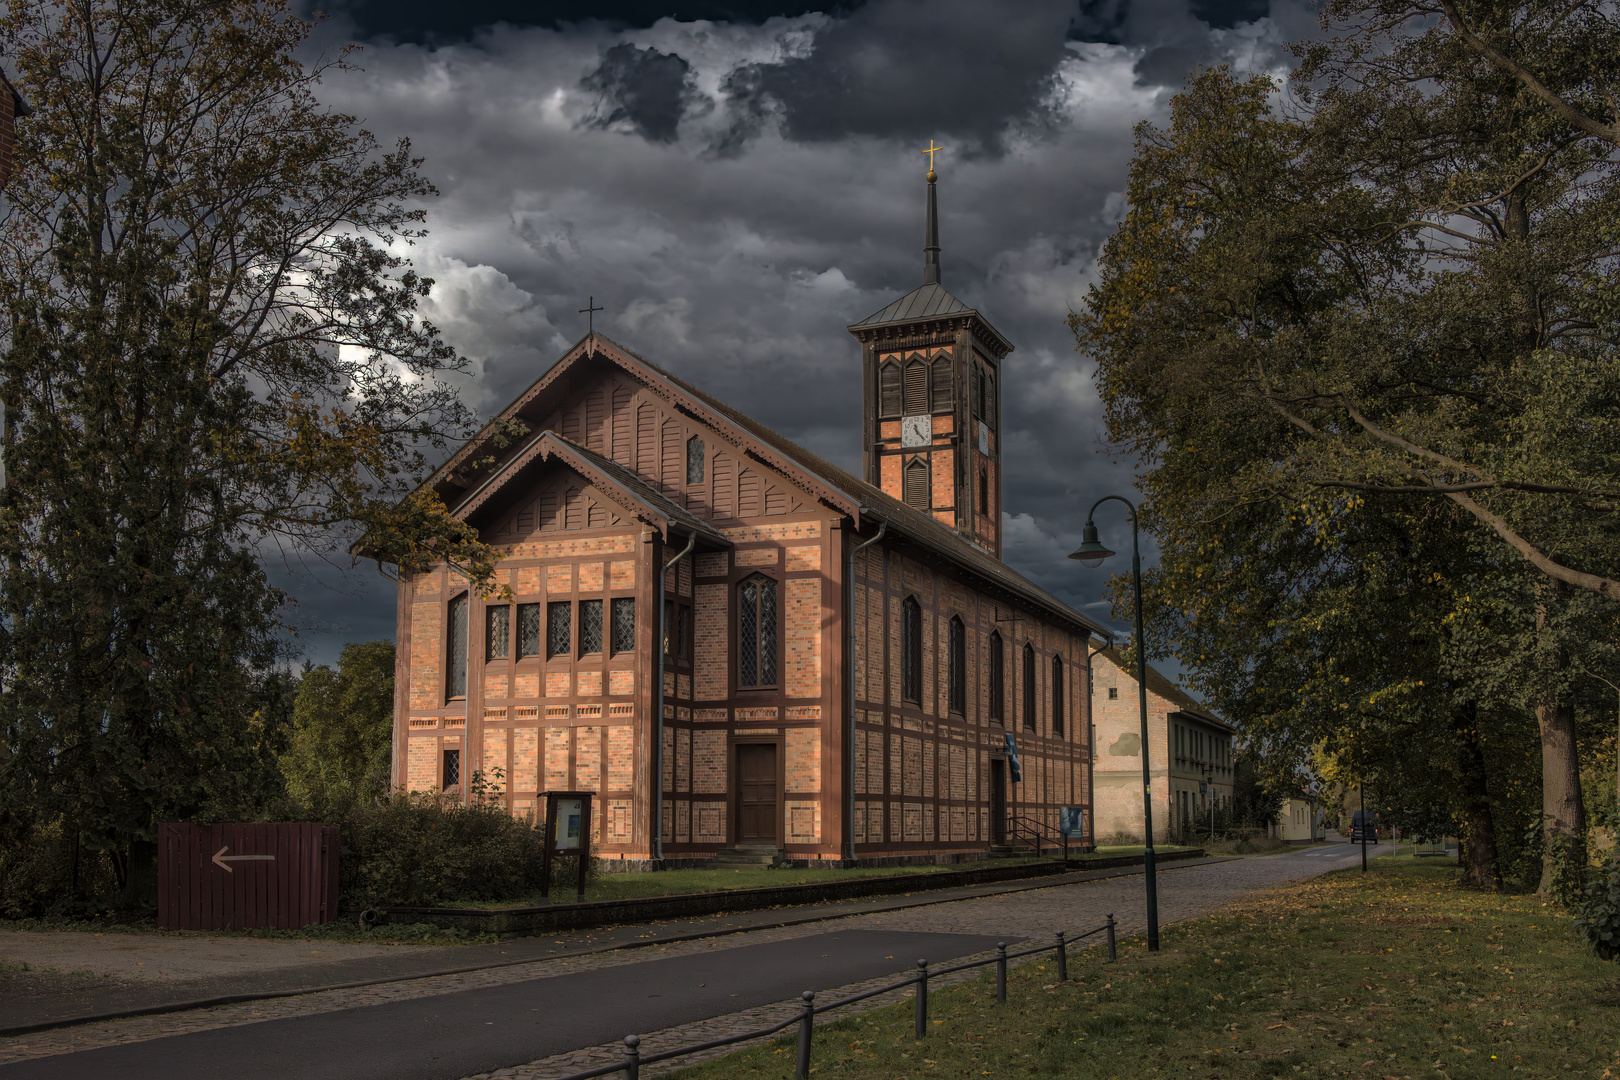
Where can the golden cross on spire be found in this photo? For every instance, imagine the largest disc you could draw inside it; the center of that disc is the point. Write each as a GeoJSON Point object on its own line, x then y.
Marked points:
{"type": "Point", "coordinates": [931, 151]}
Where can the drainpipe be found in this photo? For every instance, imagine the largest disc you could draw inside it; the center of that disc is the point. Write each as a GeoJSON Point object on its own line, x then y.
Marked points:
{"type": "Point", "coordinates": [1091, 737]}
{"type": "Point", "coordinates": [658, 707]}
{"type": "Point", "coordinates": [849, 689]}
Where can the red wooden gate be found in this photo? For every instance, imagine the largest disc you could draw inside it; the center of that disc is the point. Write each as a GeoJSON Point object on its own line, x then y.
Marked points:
{"type": "Point", "coordinates": [213, 877]}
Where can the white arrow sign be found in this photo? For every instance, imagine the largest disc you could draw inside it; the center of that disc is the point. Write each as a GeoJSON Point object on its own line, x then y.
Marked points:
{"type": "Point", "coordinates": [220, 859]}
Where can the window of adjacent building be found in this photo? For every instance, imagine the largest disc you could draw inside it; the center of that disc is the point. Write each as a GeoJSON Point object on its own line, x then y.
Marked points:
{"type": "Point", "coordinates": [559, 628]}
{"type": "Point", "coordinates": [1057, 695]}
{"type": "Point", "coordinates": [1029, 687]}
{"type": "Point", "coordinates": [590, 627]}
{"type": "Point", "coordinates": [452, 768]}
{"type": "Point", "coordinates": [528, 630]}
{"type": "Point", "coordinates": [756, 632]}
{"type": "Point", "coordinates": [694, 460]}
{"type": "Point", "coordinates": [889, 397]}
{"type": "Point", "coordinates": [958, 666]}
{"type": "Point", "coordinates": [984, 489]}
{"type": "Point", "coordinates": [998, 676]}
{"type": "Point", "coordinates": [624, 624]}
{"type": "Point", "coordinates": [916, 483]}
{"type": "Point", "coordinates": [990, 400]}
{"type": "Point", "coordinates": [916, 387]}
{"type": "Point", "coordinates": [498, 622]}
{"type": "Point", "coordinates": [911, 651]}
{"type": "Point", "coordinates": [1113, 693]}
{"type": "Point", "coordinates": [940, 390]}
{"type": "Point", "coordinates": [456, 631]}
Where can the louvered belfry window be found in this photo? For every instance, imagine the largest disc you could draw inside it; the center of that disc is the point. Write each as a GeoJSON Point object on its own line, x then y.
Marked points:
{"type": "Point", "coordinates": [624, 624]}
{"type": "Point", "coordinates": [559, 625]}
{"type": "Point", "coordinates": [1057, 696]}
{"type": "Point", "coordinates": [958, 666]}
{"type": "Point", "coordinates": [911, 651]}
{"type": "Point", "coordinates": [941, 389]}
{"type": "Point", "coordinates": [694, 460]}
{"type": "Point", "coordinates": [889, 390]}
{"type": "Point", "coordinates": [529, 630]}
{"type": "Point", "coordinates": [1029, 687]}
{"type": "Point", "coordinates": [590, 626]}
{"type": "Point", "coordinates": [456, 631]}
{"type": "Point", "coordinates": [756, 632]}
{"type": "Point", "coordinates": [998, 677]}
{"type": "Point", "coordinates": [916, 387]}
{"type": "Point", "coordinates": [916, 483]}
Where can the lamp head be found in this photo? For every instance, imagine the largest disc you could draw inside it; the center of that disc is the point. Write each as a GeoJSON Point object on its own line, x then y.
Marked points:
{"type": "Point", "coordinates": [1090, 552]}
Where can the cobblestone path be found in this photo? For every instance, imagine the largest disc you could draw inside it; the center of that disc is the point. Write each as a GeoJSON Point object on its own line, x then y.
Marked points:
{"type": "Point", "coordinates": [1035, 915]}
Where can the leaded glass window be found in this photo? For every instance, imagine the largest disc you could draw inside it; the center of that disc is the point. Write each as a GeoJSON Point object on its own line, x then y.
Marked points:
{"type": "Point", "coordinates": [683, 622]}
{"type": "Point", "coordinates": [958, 666]}
{"type": "Point", "coordinates": [671, 630]}
{"type": "Point", "coordinates": [911, 651]}
{"type": "Point", "coordinates": [1029, 687]}
{"type": "Point", "coordinates": [456, 631]}
{"type": "Point", "coordinates": [559, 628]}
{"type": "Point", "coordinates": [499, 622]}
{"type": "Point", "coordinates": [1057, 696]}
{"type": "Point", "coordinates": [998, 676]}
{"type": "Point", "coordinates": [624, 624]}
{"type": "Point", "coordinates": [590, 626]}
{"type": "Point", "coordinates": [694, 460]}
{"type": "Point", "coordinates": [452, 768]}
{"type": "Point", "coordinates": [756, 632]}
{"type": "Point", "coordinates": [528, 634]}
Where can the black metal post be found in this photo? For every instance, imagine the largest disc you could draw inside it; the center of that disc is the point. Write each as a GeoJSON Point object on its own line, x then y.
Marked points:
{"type": "Point", "coordinates": [632, 1057]}
{"type": "Point", "coordinates": [921, 1011]}
{"type": "Point", "coordinates": [1112, 954]}
{"type": "Point", "coordinates": [1001, 973]}
{"type": "Point", "coordinates": [1363, 786]}
{"type": "Point", "coordinates": [807, 1024]}
{"type": "Point", "coordinates": [1062, 958]}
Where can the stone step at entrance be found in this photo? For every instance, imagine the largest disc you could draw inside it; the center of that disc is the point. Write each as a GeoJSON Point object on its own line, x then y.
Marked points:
{"type": "Point", "coordinates": [746, 856]}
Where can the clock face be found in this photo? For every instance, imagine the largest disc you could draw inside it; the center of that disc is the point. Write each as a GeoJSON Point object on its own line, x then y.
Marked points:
{"type": "Point", "coordinates": [916, 431]}
{"type": "Point", "coordinates": [984, 438]}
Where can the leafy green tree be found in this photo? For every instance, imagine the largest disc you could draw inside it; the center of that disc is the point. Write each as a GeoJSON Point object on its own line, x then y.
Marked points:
{"type": "Point", "coordinates": [342, 731]}
{"type": "Point", "coordinates": [211, 347]}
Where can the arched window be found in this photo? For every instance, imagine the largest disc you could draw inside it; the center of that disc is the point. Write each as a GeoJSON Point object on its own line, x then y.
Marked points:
{"type": "Point", "coordinates": [1057, 695]}
{"type": "Point", "coordinates": [940, 390]}
{"type": "Point", "coordinates": [889, 389]}
{"type": "Point", "coordinates": [456, 631]}
{"type": "Point", "coordinates": [998, 677]}
{"type": "Point", "coordinates": [990, 400]}
{"type": "Point", "coordinates": [756, 632]}
{"type": "Point", "coordinates": [916, 387]}
{"type": "Point", "coordinates": [916, 483]}
{"type": "Point", "coordinates": [958, 667]}
{"type": "Point", "coordinates": [1029, 687]}
{"type": "Point", "coordinates": [911, 651]}
{"type": "Point", "coordinates": [694, 460]}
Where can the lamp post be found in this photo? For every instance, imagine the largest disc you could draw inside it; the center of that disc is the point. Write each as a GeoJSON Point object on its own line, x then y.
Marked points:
{"type": "Point", "coordinates": [1092, 553]}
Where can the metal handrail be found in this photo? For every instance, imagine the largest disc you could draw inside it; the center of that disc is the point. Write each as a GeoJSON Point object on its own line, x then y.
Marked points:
{"type": "Point", "coordinates": [1017, 824]}
{"type": "Point", "coordinates": [633, 1059]}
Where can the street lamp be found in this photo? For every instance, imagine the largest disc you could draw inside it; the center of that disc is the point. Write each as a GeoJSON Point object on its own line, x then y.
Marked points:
{"type": "Point", "coordinates": [1092, 553]}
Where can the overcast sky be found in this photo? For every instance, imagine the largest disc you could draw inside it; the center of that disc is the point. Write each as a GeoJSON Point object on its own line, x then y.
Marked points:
{"type": "Point", "coordinates": [736, 182]}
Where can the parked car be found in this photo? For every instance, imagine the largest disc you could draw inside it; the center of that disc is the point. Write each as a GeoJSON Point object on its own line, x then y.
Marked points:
{"type": "Point", "coordinates": [1363, 824]}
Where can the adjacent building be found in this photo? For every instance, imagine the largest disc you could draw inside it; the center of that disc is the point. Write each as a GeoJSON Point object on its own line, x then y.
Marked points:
{"type": "Point", "coordinates": [732, 642]}
{"type": "Point", "coordinates": [12, 106]}
{"type": "Point", "coordinates": [1190, 753]}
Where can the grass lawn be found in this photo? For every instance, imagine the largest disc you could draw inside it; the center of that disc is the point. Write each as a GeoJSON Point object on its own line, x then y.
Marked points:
{"type": "Point", "coordinates": [1397, 975]}
{"type": "Point", "coordinates": [681, 882]}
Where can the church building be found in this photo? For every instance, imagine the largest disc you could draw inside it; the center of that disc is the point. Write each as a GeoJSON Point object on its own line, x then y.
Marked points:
{"type": "Point", "coordinates": [733, 643]}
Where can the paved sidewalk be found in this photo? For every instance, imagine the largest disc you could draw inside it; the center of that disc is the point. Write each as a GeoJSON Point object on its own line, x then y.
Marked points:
{"type": "Point", "coordinates": [446, 1007]}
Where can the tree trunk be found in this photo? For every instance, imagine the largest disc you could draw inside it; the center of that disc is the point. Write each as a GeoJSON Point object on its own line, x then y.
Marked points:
{"type": "Point", "coordinates": [1479, 845]}
{"type": "Point", "coordinates": [1562, 817]}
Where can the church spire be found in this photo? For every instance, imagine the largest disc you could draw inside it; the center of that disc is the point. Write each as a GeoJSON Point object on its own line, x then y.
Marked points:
{"type": "Point", "coordinates": [931, 230]}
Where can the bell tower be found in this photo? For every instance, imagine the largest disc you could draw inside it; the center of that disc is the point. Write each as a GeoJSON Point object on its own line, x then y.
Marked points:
{"type": "Point", "coordinates": [931, 400]}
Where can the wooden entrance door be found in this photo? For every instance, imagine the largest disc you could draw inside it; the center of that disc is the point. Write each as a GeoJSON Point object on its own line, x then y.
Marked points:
{"type": "Point", "coordinates": [998, 801]}
{"type": "Point", "coordinates": [757, 814]}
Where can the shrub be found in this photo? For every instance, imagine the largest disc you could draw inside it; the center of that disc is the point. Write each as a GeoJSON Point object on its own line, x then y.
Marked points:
{"type": "Point", "coordinates": [1599, 919]}
{"type": "Point", "coordinates": [422, 849]}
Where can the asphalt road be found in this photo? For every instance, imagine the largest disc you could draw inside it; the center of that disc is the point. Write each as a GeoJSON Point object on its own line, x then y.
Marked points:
{"type": "Point", "coordinates": [453, 1035]}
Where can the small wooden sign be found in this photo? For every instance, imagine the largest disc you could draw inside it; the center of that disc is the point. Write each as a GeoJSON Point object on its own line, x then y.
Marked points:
{"type": "Point", "coordinates": [568, 832]}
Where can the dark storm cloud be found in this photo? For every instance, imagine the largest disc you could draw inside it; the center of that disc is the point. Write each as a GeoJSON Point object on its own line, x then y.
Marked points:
{"type": "Point", "coordinates": [422, 21]}
{"type": "Point", "coordinates": [645, 88]}
{"type": "Point", "coordinates": [962, 69]}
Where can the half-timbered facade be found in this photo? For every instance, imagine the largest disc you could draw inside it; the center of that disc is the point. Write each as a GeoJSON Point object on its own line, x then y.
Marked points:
{"type": "Point", "coordinates": [834, 667]}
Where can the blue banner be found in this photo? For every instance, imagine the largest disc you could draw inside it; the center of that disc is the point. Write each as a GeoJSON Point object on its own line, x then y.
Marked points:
{"type": "Point", "coordinates": [1013, 768]}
